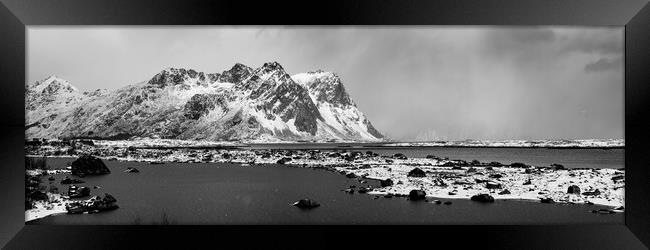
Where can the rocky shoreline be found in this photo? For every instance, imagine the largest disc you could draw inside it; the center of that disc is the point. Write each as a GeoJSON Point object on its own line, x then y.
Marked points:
{"type": "Point", "coordinates": [435, 177]}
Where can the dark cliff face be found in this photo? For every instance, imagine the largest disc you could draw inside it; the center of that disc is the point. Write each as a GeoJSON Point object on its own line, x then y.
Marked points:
{"type": "Point", "coordinates": [173, 76]}
{"type": "Point", "coordinates": [330, 89]}
{"type": "Point", "coordinates": [278, 95]}
{"type": "Point", "coordinates": [236, 74]}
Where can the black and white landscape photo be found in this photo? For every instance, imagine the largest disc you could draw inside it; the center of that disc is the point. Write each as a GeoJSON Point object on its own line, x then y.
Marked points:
{"type": "Point", "coordinates": [186, 125]}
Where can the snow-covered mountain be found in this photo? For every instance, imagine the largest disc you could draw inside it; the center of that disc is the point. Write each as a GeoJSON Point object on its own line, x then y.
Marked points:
{"type": "Point", "coordinates": [239, 104]}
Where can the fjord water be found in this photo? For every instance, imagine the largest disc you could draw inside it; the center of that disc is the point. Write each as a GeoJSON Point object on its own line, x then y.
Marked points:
{"type": "Point", "coordinates": [212, 193]}
{"type": "Point", "coordinates": [569, 157]}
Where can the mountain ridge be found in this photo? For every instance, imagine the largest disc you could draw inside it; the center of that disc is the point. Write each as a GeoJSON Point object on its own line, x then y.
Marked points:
{"type": "Point", "coordinates": [238, 104]}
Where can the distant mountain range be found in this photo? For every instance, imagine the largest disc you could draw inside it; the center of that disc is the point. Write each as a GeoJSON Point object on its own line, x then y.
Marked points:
{"type": "Point", "coordinates": [240, 104]}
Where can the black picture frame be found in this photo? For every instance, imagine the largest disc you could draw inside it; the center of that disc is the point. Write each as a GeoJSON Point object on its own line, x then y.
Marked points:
{"type": "Point", "coordinates": [15, 15]}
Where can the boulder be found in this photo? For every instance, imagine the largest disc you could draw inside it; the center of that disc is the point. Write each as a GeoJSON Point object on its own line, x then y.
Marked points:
{"type": "Point", "coordinates": [78, 192]}
{"type": "Point", "coordinates": [363, 190]}
{"type": "Point", "coordinates": [573, 189]}
{"type": "Point", "coordinates": [496, 176]}
{"type": "Point", "coordinates": [400, 156]}
{"type": "Point", "coordinates": [89, 165]}
{"type": "Point", "coordinates": [482, 198]}
{"type": "Point", "coordinates": [505, 191]}
{"type": "Point", "coordinates": [68, 180]}
{"type": "Point", "coordinates": [546, 200]}
{"type": "Point", "coordinates": [417, 172]}
{"type": "Point", "coordinates": [132, 170]}
{"type": "Point", "coordinates": [349, 190]}
{"type": "Point", "coordinates": [386, 183]}
{"type": "Point", "coordinates": [351, 175]}
{"type": "Point", "coordinates": [284, 160]}
{"type": "Point", "coordinates": [37, 196]}
{"type": "Point", "coordinates": [416, 195]}
{"type": "Point", "coordinates": [306, 204]}
{"type": "Point", "coordinates": [556, 166]}
{"type": "Point", "coordinates": [592, 193]}
{"type": "Point", "coordinates": [519, 165]}
{"type": "Point", "coordinates": [108, 198]}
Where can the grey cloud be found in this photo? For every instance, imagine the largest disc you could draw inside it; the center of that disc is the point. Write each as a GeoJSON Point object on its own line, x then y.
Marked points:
{"type": "Point", "coordinates": [604, 64]}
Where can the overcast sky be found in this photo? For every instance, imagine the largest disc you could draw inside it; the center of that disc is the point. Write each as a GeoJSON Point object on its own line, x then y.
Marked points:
{"type": "Point", "coordinates": [427, 82]}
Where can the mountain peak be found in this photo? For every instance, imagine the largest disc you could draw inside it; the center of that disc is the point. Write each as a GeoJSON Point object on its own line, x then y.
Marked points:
{"type": "Point", "coordinates": [272, 65]}
{"type": "Point", "coordinates": [174, 76]}
{"type": "Point", "coordinates": [52, 85]}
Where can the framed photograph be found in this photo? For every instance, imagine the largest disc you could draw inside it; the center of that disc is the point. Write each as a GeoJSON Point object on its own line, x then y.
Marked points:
{"type": "Point", "coordinates": [141, 122]}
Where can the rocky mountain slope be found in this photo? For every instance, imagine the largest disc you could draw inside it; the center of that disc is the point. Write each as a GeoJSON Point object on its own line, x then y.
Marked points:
{"type": "Point", "coordinates": [239, 104]}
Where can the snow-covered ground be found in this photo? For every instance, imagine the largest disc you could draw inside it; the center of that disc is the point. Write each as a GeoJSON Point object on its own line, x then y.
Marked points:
{"type": "Point", "coordinates": [596, 143]}
{"type": "Point", "coordinates": [444, 178]}
{"type": "Point", "coordinates": [54, 205]}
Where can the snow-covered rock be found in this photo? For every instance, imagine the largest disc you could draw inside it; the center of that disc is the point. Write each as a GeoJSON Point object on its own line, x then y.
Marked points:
{"type": "Point", "coordinates": [241, 104]}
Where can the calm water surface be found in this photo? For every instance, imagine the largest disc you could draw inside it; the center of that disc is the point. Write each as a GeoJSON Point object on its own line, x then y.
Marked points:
{"type": "Point", "coordinates": [570, 158]}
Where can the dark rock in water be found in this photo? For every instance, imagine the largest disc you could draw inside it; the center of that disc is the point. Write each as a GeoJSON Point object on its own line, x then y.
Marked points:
{"type": "Point", "coordinates": [437, 202]}
{"type": "Point", "coordinates": [447, 202]}
{"type": "Point", "coordinates": [386, 183]}
{"type": "Point", "coordinates": [388, 196]}
{"type": "Point", "coordinates": [67, 180]}
{"type": "Point", "coordinates": [78, 192]}
{"type": "Point", "coordinates": [351, 175]}
{"type": "Point", "coordinates": [416, 195]}
{"type": "Point", "coordinates": [284, 160]}
{"type": "Point", "coordinates": [89, 165]}
{"type": "Point", "coordinates": [349, 190]}
{"type": "Point", "coordinates": [93, 205]}
{"type": "Point", "coordinates": [399, 156]}
{"type": "Point", "coordinates": [37, 196]}
{"type": "Point", "coordinates": [603, 211]}
{"type": "Point", "coordinates": [417, 172]}
{"type": "Point", "coordinates": [492, 185]}
{"type": "Point", "coordinates": [495, 164]}
{"type": "Point", "coordinates": [132, 170]}
{"type": "Point", "coordinates": [556, 166]}
{"type": "Point", "coordinates": [573, 189]}
{"type": "Point", "coordinates": [306, 204]}
{"type": "Point", "coordinates": [431, 157]}
{"type": "Point", "coordinates": [482, 198]}
{"type": "Point", "coordinates": [51, 178]}
{"type": "Point", "coordinates": [363, 190]}
{"type": "Point", "coordinates": [505, 191]}
{"type": "Point", "coordinates": [592, 193]}
{"type": "Point", "coordinates": [546, 200]}
{"type": "Point", "coordinates": [519, 165]}
{"type": "Point", "coordinates": [109, 198]}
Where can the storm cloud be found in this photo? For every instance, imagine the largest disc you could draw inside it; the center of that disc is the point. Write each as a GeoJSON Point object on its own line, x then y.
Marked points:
{"type": "Point", "coordinates": [425, 82]}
